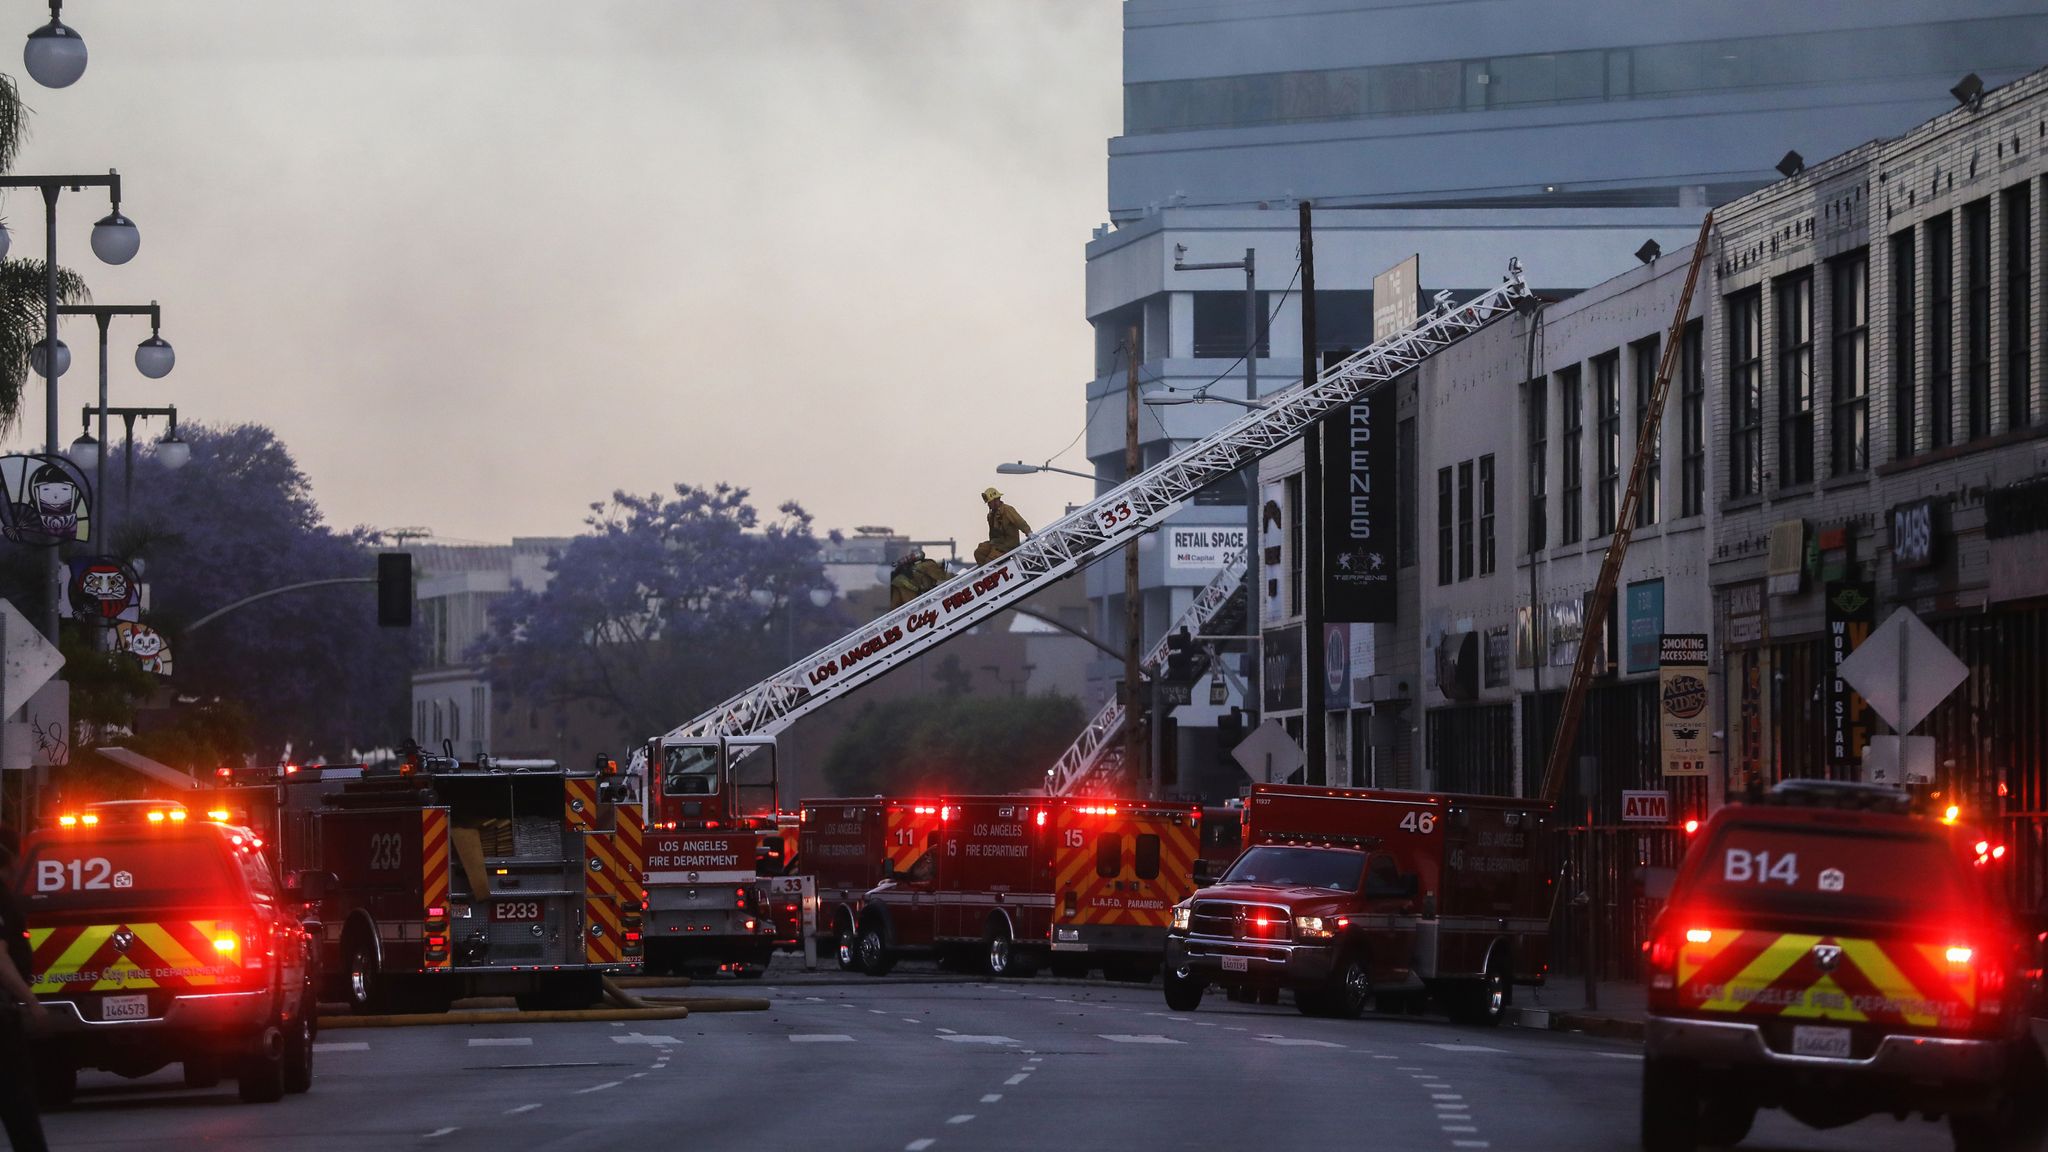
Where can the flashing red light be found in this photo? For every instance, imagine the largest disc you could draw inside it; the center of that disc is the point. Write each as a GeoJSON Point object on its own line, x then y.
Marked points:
{"type": "Point", "coordinates": [1041, 819]}
{"type": "Point", "coordinates": [1983, 846]}
{"type": "Point", "coordinates": [1691, 826]}
{"type": "Point", "coordinates": [632, 937]}
{"type": "Point", "coordinates": [437, 911]}
{"type": "Point", "coordinates": [711, 823]}
{"type": "Point", "coordinates": [1998, 853]}
{"type": "Point", "coordinates": [437, 942]}
{"type": "Point", "coordinates": [946, 812]}
{"type": "Point", "coordinates": [224, 773]}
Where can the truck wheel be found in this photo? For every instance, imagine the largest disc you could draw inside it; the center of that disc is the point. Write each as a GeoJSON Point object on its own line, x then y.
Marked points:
{"type": "Point", "coordinates": [875, 959]}
{"type": "Point", "coordinates": [1350, 988]}
{"type": "Point", "coordinates": [2016, 1121]}
{"type": "Point", "coordinates": [298, 1050]}
{"type": "Point", "coordinates": [848, 946]}
{"type": "Point", "coordinates": [1485, 1001]}
{"type": "Point", "coordinates": [56, 1083]}
{"type": "Point", "coordinates": [1183, 989]}
{"type": "Point", "coordinates": [1000, 950]}
{"type": "Point", "coordinates": [1726, 1120]}
{"type": "Point", "coordinates": [1671, 1107]}
{"type": "Point", "coordinates": [363, 984]}
{"type": "Point", "coordinates": [201, 1072]}
{"type": "Point", "coordinates": [260, 1080]}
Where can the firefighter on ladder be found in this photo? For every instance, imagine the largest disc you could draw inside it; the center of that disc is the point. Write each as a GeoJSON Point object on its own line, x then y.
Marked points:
{"type": "Point", "coordinates": [914, 575]}
{"type": "Point", "coordinates": [1006, 529]}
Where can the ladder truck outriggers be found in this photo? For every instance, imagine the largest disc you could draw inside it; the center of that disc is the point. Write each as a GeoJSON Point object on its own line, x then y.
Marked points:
{"type": "Point", "coordinates": [720, 766]}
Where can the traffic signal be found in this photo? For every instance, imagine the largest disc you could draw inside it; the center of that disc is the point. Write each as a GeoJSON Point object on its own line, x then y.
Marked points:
{"type": "Point", "coordinates": [394, 589]}
{"type": "Point", "coordinates": [1230, 729]}
{"type": "Point", "coordinates": [1180, 658]}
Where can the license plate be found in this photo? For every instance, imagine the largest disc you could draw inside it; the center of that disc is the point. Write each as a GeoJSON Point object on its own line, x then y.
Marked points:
{"type": "Point", "coordinates": [1808, 1040]}
{"type": "Point", "coordinates": [1236, 963]}
{"type": "Point", "coordinates": [516, 910]}
{"type": "Point", "coordinates": [124, 1008]}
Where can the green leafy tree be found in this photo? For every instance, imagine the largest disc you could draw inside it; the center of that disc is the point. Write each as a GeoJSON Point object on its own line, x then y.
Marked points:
{"type": "Point", "coordinates": [955, 743]}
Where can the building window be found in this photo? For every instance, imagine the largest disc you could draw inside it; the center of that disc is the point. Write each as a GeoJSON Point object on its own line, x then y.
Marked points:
{"type": "Point", "coordinates": [419, 720]}
{"type": "Point", "coordinates": [2019, 307]}
{"type": "Point", "coordinates": [1643, 361]}
{"type": "Point", "coordinates": [1219, 326]}
{"type": "Point", "coordinates": [1794, 296]}
{"type": "Point", "coordinates": [1443, 525]}
{"type": "Point", "coordinates": [1941, 330]}
{"type": "Point", "coordinates": [1486, 553]}
{"type": "Point", "coordinates": [1977, 223]}
{"type": "Point", "coordinates": [1574, 460]}
{"type": "Point", "coordinates": [1404, 452]}
{"type": "Point", "coordinates": [1692, 420]}
{"type": "Point", "coordinates": [1607, 393]}
{"type": "Point", "coordinates": [1905, 345]}
{"type": "Point", "coordinates": [1292, 487]}
{"type": "Point", "coordinates": [1850, 367]}
{"type": "Point", "coordinates": [1539, 460]}
{"type": "Point", "coordinates": [1746, 393]}
{"type": "Point", "coordinates": [1465, 520]}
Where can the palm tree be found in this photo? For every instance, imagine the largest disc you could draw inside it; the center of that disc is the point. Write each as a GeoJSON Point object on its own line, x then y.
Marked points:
{"type": "Point", "coordinates": [22, 282]}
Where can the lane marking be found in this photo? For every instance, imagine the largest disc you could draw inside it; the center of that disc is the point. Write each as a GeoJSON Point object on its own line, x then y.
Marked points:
{"type": "Point", "coordinates": [597, 1087]}
{"type": "Point", "coordinates": [1228, 1028]}
{"type": "Point", "coordinates": [437, 1132]}
{"type": "Point", "coordinates": [521, 1108]}
{"type": "Point", "coordinates": [1147, 1038]}
{"type": "Point", "coordinates": [1290, 1042]}
{"type": "Point", "coordinates": [503, 1041]}
{"type": "Point", "coordinates": [918, 1145]}
{"type": "Point", "coordinates": [641, 1038]}
{"type": "Point", "coordinates": [1035, 1060]}
{"type": "Point", "coordinates": [878, 1011]}
{"type": "Point", "coordinates": [636, 1075]}
{"type": "Point", "coordinates": [1386, 1057]}
{"type": "Point", "coordinates": [961, 1119]}
{"type": "Point", "coordinates": [1453, 1107]}
{"type": "Point", "coordinates": [1467, 1048]}
{"type": "Point", "coordinates": [908, 1020]}
{"type": "Point", "coordinates": [957, 1038]}
{"type": "Point", "coordinates": [1460, 1128]}
{"type": "Point", "coordinates": [991, 1097]}
{"type": "Point", "coordinates": [1445, 1096]}
{"type": "Point", "coordinates": [820, 1038]}
{"type": "Point", "coordinates": [1019, 1078]}
{"type": "Point", "coordinates": [1620, 1055]}
{"type": "Point", "coordinates": [340, 1046]}
{"type": "Point", "coordinates": [1470, 1144]}
{"type": "Point", "coordinates": [948, 1031]}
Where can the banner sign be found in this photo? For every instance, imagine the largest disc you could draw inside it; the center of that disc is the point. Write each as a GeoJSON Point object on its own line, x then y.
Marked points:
{"type": "Point", "coordinates": [1851, 612]}
{"type": "Point", "coordinates": [1645, 624]}
{"type": "Point", "coordinates": [1358, 510]}
{"type": "Point", "coordinates": [1281, 674]}
{"type": "Point", "coordinates": [44, 500]}
{"type": "Point", "coordinates": [100, 591]}
{"type": "Point", "coordinates": [1682, 703]}
{"type": "Point", "coordinates": [1397, 298]}
{"type": "Point", "coordinates": [1336, 667]}
{"type": "Point", "coordinates": [1272, 553]}
{"type": "Point", "coordinates": [1198, 546]}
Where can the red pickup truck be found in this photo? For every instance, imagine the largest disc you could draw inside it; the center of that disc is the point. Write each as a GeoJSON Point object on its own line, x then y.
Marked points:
{"type": "Point", "coordinates": [1345, 894]}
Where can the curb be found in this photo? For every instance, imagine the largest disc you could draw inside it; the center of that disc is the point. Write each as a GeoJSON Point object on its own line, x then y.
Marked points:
{"type": "Point", "coordinates": [1594, 1024]}
{"type": "Point", "coordinates": [693, 1005]}
{"type": "Point", "coordinates": [676, 1011]}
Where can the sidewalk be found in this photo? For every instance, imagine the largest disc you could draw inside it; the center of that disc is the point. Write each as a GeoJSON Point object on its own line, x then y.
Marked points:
{"type": "Point", "coordinates": [1560, 1005]}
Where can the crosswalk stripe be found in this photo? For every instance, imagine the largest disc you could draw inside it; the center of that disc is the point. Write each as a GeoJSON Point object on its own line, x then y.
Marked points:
{"type": "Point", "coordinates": [820, 1038]}
{"type": "Point", "coordinates": [1125, 1038]}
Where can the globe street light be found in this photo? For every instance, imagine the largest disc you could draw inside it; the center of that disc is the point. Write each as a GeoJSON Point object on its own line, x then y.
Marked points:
{"type": "Point", "coordinates": [54, 54]}
{"type": "Point", "coordinates": [153, 358]}
{"type": "Point", "coordinates": [172, 450]}
{"type": "Point", "coordinates": [39, 356]}
{"type": "Point", "coordinates": [115, 239]}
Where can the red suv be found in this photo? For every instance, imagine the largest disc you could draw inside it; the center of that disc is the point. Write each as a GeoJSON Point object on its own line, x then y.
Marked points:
{"type": "Point", "coordinates": [1829, 952]}
{"type": "Point", "coordinates": [161, 938]}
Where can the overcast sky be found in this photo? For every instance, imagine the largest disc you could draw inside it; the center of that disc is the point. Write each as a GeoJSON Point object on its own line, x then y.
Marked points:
{"type": "Point", "coordinates": [480, 262]}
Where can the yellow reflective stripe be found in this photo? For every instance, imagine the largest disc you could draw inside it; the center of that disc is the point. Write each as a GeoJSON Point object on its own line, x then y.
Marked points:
{"type": "Point", "coordinates": [78, 952]}
{"type": "Point", "coordinates": [1762, 972]}
{"type": "Point", "coordinates": [1885, 976]}
{"type": "Point", "coordinates": [1825, 1000]}
{"type": "Point", "coordinates": [123, 966]}
{"type": "Point", "coordinates": [1693, 957]}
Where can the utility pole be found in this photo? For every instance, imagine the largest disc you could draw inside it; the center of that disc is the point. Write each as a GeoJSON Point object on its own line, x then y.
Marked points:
{"type": "Point", "coordinates": [1314, 723]}
{"type": "Point", "coordinates": [1134, 735]}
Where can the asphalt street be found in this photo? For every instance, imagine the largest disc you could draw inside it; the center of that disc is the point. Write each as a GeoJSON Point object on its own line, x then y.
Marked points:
{"type": "Point", "coordinates": [911, 1066]}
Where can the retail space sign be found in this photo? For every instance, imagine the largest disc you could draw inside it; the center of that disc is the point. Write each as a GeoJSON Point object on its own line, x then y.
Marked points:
{"type": "Point", "coordinates": [1645, 807]}
{"type": "Point", "coordinates": [1682, 703]}
{"type": "Point", "coordinates": [1645, 624]}
{"type": "Point", "coordinates": [1280, 671]}
{"type": "Point", "coordinates": [1851, 612]}
{"type": "Point", "coordinates": [1203, 546]}
{"type": "Point", "coordinates": [1272, 552]}
{"type": "Point", "coordinates": [1358, 510]}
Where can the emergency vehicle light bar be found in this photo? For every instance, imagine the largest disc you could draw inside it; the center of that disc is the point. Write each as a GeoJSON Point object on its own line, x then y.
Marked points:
{"type": "Point", "coordinates": [1094, 530]}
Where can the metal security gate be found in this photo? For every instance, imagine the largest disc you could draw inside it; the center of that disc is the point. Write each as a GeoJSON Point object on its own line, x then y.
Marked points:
{"type": "Point", "coordinates": [1609, 897]}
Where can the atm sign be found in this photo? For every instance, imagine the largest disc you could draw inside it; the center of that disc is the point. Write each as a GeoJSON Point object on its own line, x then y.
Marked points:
{"type": "Point", "coordinates": [1646, 807]}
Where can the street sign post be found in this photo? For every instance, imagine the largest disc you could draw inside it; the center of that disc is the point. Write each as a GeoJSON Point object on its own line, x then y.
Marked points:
{"type": "Point", "coordinates": [27, 660]}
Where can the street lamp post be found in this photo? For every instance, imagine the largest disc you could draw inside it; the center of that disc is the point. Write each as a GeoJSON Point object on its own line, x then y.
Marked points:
{"type": "Point", "coordinates": [114, 240]}
{"type": "Point", "coordinates": [1022, 469]}
{"type": "Point", "coordinates": [172, 450]}
{"type": "Point", "coordinates": [153, 358]}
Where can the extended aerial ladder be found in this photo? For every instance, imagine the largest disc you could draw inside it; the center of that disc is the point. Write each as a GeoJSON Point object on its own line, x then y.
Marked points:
{"type": "Point", "coordinates": [1095, 751]}
{"type": "Point", "coordinates": [743, 727]}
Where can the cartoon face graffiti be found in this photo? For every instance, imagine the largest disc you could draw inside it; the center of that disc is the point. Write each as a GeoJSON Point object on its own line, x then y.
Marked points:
{"type": "Point", "coordinates": [147, 645]}
{"type": "Point", "coordinates": [101, 591]}
{"type": "Point", "coordinates": [56, 501]}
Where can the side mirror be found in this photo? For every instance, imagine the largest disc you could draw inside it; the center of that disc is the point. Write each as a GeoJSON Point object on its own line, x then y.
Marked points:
{"type": "Point", "coordinates": [310, 887]}
{"type": "Point", "coordinates": [1205, 873]}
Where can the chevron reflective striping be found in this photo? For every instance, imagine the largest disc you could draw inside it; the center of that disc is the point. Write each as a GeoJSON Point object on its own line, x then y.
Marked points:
{"type": "Point", "coordinates": [579, 803]}
{"type": "Point", "coordinates": [132, 954]}
{"type": "Point", "coordinates": [1812, 977]}
{"type": "Point", "coordinates": [434, 872]}
{"type": "Point", "coordinates": [1098, 900]}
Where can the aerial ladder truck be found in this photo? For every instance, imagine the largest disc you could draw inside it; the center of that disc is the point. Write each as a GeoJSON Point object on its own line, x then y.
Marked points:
{"type": "Point", "coordinates": [720, 766]}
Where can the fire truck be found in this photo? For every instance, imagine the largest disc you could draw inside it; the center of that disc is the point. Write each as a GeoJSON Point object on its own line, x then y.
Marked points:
{"type": "Point", "coordinates": [718, 766]}
{"type": "Point", "coordinates": [1345, 894]}
{"type": "Point", "coordinates": [459, 879]}
{"type": "Point", "coordinates": [1006, 884]}
{"type": "Point", "coordinates": [851, 845]}
{"type": "Point", "coordinates": [713, 833]}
